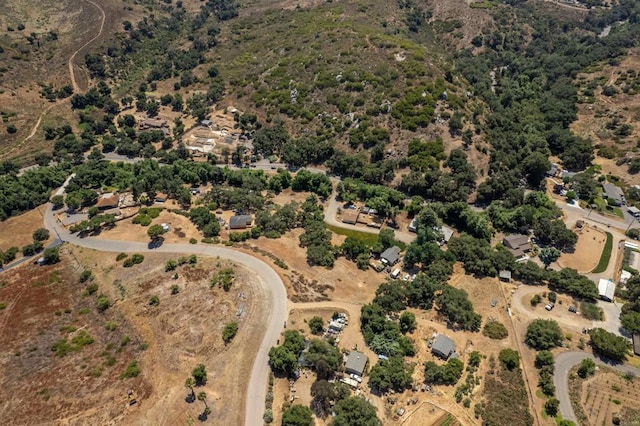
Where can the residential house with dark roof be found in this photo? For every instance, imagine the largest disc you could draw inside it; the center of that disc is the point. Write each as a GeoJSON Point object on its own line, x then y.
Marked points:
{"type": "Point", "coordinates": [517, 244]}
{"type": "Point", "coordinates": [350, 216]}
{"type": "Point", "coordinates": [356, 363]}
{"type": "Point", "coordinates": [612, 193]}
{"type": "Point", "coordinates": [391, 256]}
{"type": "Point", "coordinates": [241, 221]}
{"type": "Point", "coordinates": [443, 347]}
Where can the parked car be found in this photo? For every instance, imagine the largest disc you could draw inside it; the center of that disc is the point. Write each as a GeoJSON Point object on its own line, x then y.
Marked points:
{"type": "Point", "coordinates": [573, 309]}
{"type": "Point", "coordinates": [549, 306]}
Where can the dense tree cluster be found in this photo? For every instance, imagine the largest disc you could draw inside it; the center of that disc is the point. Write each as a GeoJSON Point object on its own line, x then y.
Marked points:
{"type": "Point", "coordinates": [609, 345]}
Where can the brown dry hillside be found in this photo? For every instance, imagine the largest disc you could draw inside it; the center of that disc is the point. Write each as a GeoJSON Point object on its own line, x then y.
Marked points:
{"type": "Point", "coordinates": [53, 40]}
{"type": "Point", "coordinates": [610, 111]}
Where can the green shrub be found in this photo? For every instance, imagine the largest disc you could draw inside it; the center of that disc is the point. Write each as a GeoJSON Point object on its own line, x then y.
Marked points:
{"type": "Point", "coordinates": [132, 371]}
{"type": "Point", "coordinates": [591, 311]}
{"type": "Point", "coordinates": [229, 332]}
{"type": "Point", "coordinates": [495, 330]}
{"type": "Point", "coordinates": [154, 300]}
{"type": "Point", "coordinates": [103, 303]}
{"type": "Point", "coordinates": [121, 256]}
{"type": "Point", "coordinates": [142, 219]}
{"type": "Point", "coordinates": [175, 289]}
{"type": "Point", "coordinates": [90, 289]}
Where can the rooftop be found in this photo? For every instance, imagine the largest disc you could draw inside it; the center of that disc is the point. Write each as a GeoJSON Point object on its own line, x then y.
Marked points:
{"type": "Point", "coordinates": [391, 255]}
{"type": "Point", "coordinates": [242, 220]}
{"type": "Point", "coordinates": [443, 346]}
{"type": "Point", "coordinates": [108, 199]}
{"type": "Point", "coordinates": [356, 362]}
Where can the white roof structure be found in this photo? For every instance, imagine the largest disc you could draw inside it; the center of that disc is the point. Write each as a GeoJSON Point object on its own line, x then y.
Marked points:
{"type": "Point", "coordinates": [606, 289]}
{"type": "Point", "coordinates": [624, 276]}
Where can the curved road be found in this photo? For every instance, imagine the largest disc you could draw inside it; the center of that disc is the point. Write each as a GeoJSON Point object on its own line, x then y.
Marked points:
{"type": "Point", "coordinates": [268, 279]}
{"type": "Point", "coordinates": [564, 362]}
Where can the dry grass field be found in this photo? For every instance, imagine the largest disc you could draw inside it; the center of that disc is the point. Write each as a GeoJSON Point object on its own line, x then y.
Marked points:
{"type": "Point", "coordinates": [167, 341]}
{"type": "Point", "coordinates": [587, 251]}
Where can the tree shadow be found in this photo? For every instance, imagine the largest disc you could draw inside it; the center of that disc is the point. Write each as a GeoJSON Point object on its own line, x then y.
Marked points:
{"type": "Point", "coordinates": [203, 416]}
{"type": "Point", "coordinates": [190, 398]}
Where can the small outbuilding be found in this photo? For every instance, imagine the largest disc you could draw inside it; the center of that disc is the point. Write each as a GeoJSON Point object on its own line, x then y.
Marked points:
{"type": "Point", "coordinates": [356, 363]}
{"type": "Point", "coordinates": [636, 344]}
{"type": "Point", "coordinates": [606, 289]}
{"type": "Point", "coordinates": [240, 221]}
{"type": "Point", "coordinates": [447, 233]}
{"type": "Point", "coordinates": [443, 347]}
{"type": "Point", "coordinates": [390, 256]}
{"type": "Point", "coordinates": [505, 276]}
{"type": "Point", "coordinates": [161, 197]}
{"type": "Point", "coordinates": [413, 226]}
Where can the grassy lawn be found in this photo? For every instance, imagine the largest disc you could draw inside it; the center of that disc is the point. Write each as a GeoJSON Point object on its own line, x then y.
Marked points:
{"type": "Point", "coordinates": [606, 255]}
{"type": "Point", "coordinates": [604, 208]}
{"type": "Point", "coordinates": [365, 237]}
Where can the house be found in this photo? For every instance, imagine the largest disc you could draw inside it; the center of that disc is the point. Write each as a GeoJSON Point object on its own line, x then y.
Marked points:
{"type": "Point", "coordinates": [636, 344]}
{"type": "Point", "coordinates": [612, 193]}
{"type": "Point", "coordinates": [624, 277]}
{"type": "Point", "coordinates": [350, 216]}
{"type": "Point", "coordinates": [108, 200]}
{"type": "Point", "coordinates": [443, 347]}
{"type": "Point", "coordinates": [390, 256]}
{"type": "Point", "coordinates": [161, 197]}
{"type": "Point", "coordinates": [635, 212]}
{"type": "Point", "coordinates": [447, 233]}
{"type": "Point", "coordinates": [356, 363]}
{"type": "Point", "coordinates": [153, 123]}
{"type": "Point", "coordinates": [505, 276]}
{"type": "Point", "coordinates": [413, 226]}
{"type": "Point", "coordinates": [517, 244]}
{"type": "Point", "coordinates": [240, 221]}
{"type": "Point", "coordinates": [206, 123]}
{"type": "Point", "coordinates": [606, 289]}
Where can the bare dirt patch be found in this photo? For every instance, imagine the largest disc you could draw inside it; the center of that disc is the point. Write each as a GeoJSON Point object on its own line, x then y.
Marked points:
{"type": "Point", "coordinates": [17, 231]}
{"type": "Point", "coordinates": [38, 386]}
{"type": "Point", "coordinates": [306, 283]}
{"type": "Point", "coordinates": [587, 251]}
{"type": "Point", "coordinates": [611, 121]}
{"type": "Point", "coordinates": [185, 329]}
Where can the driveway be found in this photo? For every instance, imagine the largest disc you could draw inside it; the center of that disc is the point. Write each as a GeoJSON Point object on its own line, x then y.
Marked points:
{"type": "Point", "coordinates": [564, 362]}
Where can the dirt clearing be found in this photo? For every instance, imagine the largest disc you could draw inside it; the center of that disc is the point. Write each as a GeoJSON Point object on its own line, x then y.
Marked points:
{"type": "Point", "coordinates": [587, 251]}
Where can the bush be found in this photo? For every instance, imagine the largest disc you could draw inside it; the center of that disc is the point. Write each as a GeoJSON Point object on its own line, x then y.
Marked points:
{"type": "Point", "coordinates": [587, 368]}
{"type": "Point", "coordinates": [40, 234]}
{"type": "Point", "coordinates": [200, 375]}
{"type": "Point", "coordinates": [535, 300]}
{"type": "Point", "coordinates": [495, 330]}
{"type": "Point", "coordinates": [509, 359]}
{"type": "Point", "coordinates": [175, 289]}
{"type": "Point", "coordinates": [133, 260]}
{"type": "Point", "coordinates": [316, 325]}
{"type": "Point", "coordinates": [229, 332]}
{"type": "Point", "coordinates": [591, 311]}
{"type": "Point", "coordinates": [132, 371]}
{"type": "Point", "coordinates": [154, 300]}
{"type": "Point", "coordinates": [121, 256]}
{"type": "Point", "coordinates": [609, 345]}
{"type": "Point", "coordinates": [85, 276]}
{"type": "Point", "coordinates": [142, 219]}
{"type": "Point", "coordinates": [103, 303]}
{"type": "Point", "coordinates": [543, 334]}
{"type": "Point", "coordinates": [551, 406]}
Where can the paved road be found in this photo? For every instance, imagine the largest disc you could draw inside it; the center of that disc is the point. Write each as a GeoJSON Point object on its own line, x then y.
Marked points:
{"type": "Point", "coordinates": [268, 279]}
{"type": "Point", "coordinates": [564, 362]}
